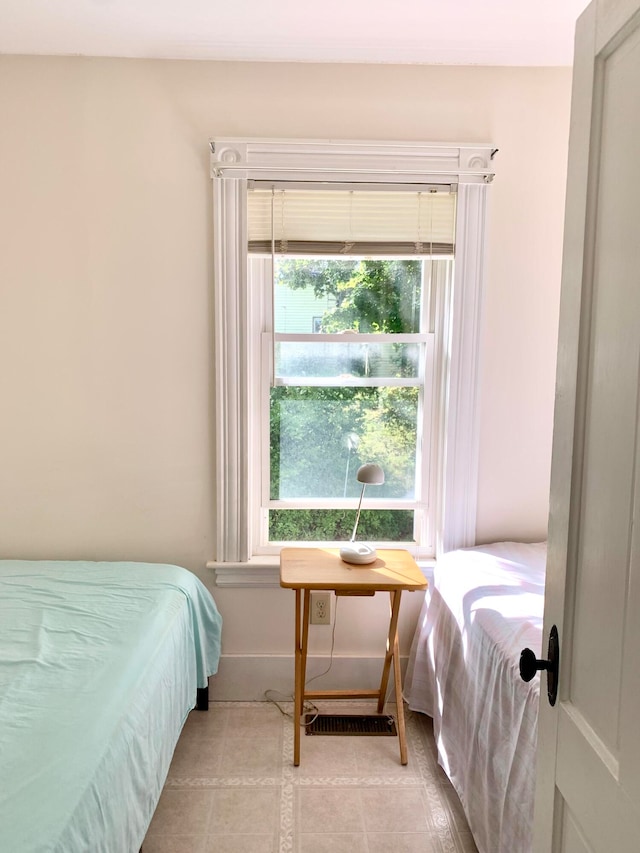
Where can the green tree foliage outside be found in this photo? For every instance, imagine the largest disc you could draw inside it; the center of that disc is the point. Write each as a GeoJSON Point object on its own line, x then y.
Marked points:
{"type": "Point", "coordinates": [370, 295]}
{"type": "Point", "coordinates": [328, 525]}
{"type": "Point", "coordinates": [321, 435]}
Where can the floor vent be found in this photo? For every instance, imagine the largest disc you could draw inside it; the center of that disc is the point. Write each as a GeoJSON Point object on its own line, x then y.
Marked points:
{"type": "Point", "coordinates": [350, 724]}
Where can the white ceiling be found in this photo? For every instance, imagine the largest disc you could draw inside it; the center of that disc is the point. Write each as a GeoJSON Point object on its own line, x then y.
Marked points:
{"type": "Point", "coordinates": [453, 32]}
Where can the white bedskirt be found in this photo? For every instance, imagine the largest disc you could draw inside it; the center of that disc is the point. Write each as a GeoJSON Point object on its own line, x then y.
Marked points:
{"type": "Point", "coordinates": [485, 606]}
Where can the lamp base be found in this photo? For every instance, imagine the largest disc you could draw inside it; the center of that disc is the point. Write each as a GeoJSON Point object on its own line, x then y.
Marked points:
{"type": "Point", "coordinates": [358, 552]}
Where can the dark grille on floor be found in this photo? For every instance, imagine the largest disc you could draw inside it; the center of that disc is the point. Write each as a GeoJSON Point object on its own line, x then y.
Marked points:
{"type": "Point", "coordinates": [350, 724]}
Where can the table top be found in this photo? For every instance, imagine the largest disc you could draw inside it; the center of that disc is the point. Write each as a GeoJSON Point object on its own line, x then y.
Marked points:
{"type": "Point", "coordinates": [322, 568]}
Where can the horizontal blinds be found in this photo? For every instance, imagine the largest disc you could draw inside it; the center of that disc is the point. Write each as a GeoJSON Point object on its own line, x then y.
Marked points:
{"type": "Point", "coordinates": [351, 222]}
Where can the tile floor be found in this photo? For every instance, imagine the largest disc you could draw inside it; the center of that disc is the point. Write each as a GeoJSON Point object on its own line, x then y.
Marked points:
{"type": "Point", "coordinates": [232, 788]}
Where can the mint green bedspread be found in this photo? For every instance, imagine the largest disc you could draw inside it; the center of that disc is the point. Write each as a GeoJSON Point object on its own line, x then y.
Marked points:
{"type": "Point", "coordinates": [99, 664]}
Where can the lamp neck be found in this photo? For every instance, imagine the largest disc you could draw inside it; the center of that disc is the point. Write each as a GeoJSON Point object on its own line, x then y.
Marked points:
{"type": "Point", "coordinates": [355, 526]}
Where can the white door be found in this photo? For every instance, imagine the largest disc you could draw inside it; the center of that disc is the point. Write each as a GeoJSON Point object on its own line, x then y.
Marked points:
{"type": "Point", "coordinates": [588, 793]}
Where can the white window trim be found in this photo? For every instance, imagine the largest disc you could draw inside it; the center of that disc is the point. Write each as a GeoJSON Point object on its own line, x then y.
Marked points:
{"type": "Point", "coordinates": [233, 163]}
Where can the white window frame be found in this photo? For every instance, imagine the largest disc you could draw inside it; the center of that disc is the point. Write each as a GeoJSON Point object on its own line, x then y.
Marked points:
{"type": "Point", "coordinates": [237, 470]}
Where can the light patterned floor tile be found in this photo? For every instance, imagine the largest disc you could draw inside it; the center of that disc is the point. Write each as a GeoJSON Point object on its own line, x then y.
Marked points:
{"type": "Point", "coordinates": [261, 720]}
{"type": "Point", "coordinates": [333, 842]}
{"type": "Point", "coordinates": [175, 844]}
{"type": "Point", "coordinates": [334, 809]}
{"type": "Point", "coordinates": [197, 755]}
{"type": "Point", "coordinates": [380, 757]}
{"type": "Point", "coordinates": [232, 788]}
{"type": "Point", "coordinates": [251, 756]}
{"type": "Point", "coordinates": [394, 810]}
{"type": "Point", "coordinates": [402, 842]}
{"type": "Point", "coordinates": [251, 843]}
{"type": "Point", "coordinates": [212, 723]}
{"type": "Point", "coordinates": [182, 813]}
{"type": "Point", "coordinates": [244, 811]}
{"type": "Point", "coordinates": [321, 753]}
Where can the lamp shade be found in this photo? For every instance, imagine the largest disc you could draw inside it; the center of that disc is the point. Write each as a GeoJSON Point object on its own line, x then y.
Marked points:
{"type": "Point", "coordinates": [370, 474]}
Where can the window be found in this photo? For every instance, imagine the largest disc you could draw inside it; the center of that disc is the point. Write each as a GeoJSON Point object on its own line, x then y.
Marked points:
{"type": "Point", "coordinates": [359, 387]}
{"type": "Point", "coordinates": [342, 337]}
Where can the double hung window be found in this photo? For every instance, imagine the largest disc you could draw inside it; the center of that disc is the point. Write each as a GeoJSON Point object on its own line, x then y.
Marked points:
{"type": "Point", "coordinates": [347, 301]}
{"type": "Point", "coordinates": [349, 335]}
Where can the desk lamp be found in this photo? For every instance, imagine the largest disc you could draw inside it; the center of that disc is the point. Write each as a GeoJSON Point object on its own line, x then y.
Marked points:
{"type": "Point", "coordinates": [369, 474]}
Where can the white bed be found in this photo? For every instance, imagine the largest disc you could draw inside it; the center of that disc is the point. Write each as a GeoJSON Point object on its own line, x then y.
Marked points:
{"type": "Point", "coordinates": [484, 606]}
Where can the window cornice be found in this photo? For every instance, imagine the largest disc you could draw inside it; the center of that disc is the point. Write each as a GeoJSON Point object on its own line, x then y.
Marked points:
{"type": "Point", "coordinates": [329, 160]}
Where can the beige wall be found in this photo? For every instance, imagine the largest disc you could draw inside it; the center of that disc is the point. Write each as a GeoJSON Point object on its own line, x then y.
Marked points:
{"type": "Point", "coordinates": [105, 294]}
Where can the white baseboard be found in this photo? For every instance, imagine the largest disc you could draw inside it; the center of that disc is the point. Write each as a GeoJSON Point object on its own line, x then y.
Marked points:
{"type": "Point", "coordinates": [245, 678]}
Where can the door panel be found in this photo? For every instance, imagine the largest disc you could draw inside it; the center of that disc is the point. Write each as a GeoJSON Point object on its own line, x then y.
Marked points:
{"type": "Point", "coordinates": [572, 838]}
{"type": "Point", "coordinates": [588, 752]}
{"type": "Point", "coordinates": [612, 391]}
{"type": "Point", "coordinates": [630, 670]}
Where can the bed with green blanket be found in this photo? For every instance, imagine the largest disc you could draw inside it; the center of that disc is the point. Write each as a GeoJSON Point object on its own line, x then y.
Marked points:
{"type": "Point", "coordinates": [100, 664]}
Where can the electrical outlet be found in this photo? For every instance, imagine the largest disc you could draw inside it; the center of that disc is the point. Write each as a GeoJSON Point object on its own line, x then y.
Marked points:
{"type": "Point", "coordinates": [320, 610]}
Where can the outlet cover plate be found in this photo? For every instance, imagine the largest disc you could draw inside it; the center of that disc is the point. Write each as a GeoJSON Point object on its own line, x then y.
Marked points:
{"type": "Point", "coordinates": [320, 609]}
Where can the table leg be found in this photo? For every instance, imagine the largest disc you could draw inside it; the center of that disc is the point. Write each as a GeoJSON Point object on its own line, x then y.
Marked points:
{"type": "Point", "coordinates": [302, 636]}
{"type": "Point", "coordinates": [305, 637]}
{"type": "Point", "coordinates": [393, 632]}
{"type": "Point", "coordinates": [397, 682]}
{"type": "Point", "coordinates": [393, 654]}
{"type": "Point", "coordinates": [296, 696]}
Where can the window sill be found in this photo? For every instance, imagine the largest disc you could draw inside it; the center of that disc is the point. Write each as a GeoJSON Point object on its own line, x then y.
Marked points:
{"type": "Point", "coordinates": [265, 572]}
{"type": "Point", "coordinates": [256, 572]}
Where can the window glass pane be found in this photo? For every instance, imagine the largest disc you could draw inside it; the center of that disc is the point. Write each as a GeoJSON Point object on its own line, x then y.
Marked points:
{"type": "Point", "coordinates": [316, 294]}
{"type": "Point", "coordinates": [327, 525]}
{"type": "Point", "coordinates": [347, 361]}
{"type": "Point", "coordinates": [320, 436]}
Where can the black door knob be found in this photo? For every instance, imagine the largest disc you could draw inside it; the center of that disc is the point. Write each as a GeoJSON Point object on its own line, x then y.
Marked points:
{"type": "Point", "coordinates": [530, 664]}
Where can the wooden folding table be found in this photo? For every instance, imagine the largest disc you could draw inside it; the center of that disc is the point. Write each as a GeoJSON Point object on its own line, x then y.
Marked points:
{"type": "Point", "coordinates": [306, 569]}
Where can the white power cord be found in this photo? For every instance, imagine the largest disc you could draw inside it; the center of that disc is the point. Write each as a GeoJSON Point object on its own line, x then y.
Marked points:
{"type": "Point", "coordinates": [308, 706]}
